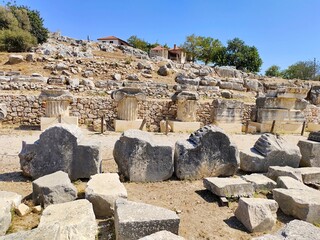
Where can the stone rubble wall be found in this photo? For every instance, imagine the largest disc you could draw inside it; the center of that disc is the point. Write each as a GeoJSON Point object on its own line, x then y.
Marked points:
{"type": "Point", "coordinates": [27, 110]}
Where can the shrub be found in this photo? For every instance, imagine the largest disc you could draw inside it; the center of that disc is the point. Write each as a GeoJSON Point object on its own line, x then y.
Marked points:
{"type": "Point", "coordinates": [16, 41]}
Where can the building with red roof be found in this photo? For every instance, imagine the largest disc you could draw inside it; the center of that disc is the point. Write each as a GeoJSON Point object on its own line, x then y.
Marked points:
{"type": "Point", "coordinates": [113, 40]}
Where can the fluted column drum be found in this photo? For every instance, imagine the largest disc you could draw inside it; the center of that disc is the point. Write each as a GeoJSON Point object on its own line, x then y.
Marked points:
{"type": "Point", "coordinates": [128, 108]}
{"type": "Point", "coordinates": [56, 108]}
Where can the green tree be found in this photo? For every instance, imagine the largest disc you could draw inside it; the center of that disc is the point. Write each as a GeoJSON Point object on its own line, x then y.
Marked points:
{"type": "Point", "coordinates": [209, 49]}
{"type": "Point", "coordinates": [7, 19]}
{"type": "Point", "coordinates": [16, 41]}
{"type": "Point", "coordinates": [242, 56]}
{"type": "Point", "coordinates": [192, 47]}
{"type": "Point", "coordinates": [273, 71]}
{"type": "Point", "coordinates": [305, 70]}
{"type": "Point", "coordinates": [138, 43]}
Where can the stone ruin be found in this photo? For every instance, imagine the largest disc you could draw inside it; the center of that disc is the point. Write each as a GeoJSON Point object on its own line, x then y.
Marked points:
{"type": "Point", "coordinates": [310, 150]}
{"type": "Point", "coordinates": [60, 148]}
{"type": "Point", "coordinates": [284, 106]}
{"type": "Point", "coordinates": [187, 106]}
{"type": "Point", "coordinates": [57, 102]}
{"type": "Point", "coordinates": [127, 108]}
{"type": "Point", "coordinates": [3, 111]}
{"type": "Point", "coordinates": [227, 114]}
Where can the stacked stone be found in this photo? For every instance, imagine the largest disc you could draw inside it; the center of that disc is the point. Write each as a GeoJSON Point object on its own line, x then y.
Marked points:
{"type": "Point", "coordinates": [284, 106]}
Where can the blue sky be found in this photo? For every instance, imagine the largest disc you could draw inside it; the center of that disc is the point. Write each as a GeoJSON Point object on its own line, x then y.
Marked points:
{"type": "Point", "coordinates": [284, 31]}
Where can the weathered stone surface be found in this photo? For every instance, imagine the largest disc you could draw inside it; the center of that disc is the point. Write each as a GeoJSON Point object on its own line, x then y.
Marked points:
{"type": "Point", "coordinates": [13, 198]}
{"type": "Point", "coordinates": [75, 219]}
{"type": "Point", "coordinates": [294, 230]}
{"type": "Point", "coordinates": [310, 175]}
{"type": "Point", "coordinates": [60, 148]}
{"type": "Point", "coordinates": [310, 152]}
{"type": "Point", "coordinates": [186, 105]}
{"type": "Point", "coordinates": [3, 111]}
{"type": "Point", "coordinates": [5, 216]}
{"type": "Point", "coordinates": [164, 71]}
{"type": "Point", "coordinates": [102, 191]}
{"type": "Point", "coordinates": [292, 92]}
{"type": "Point", "coordinates": [226, 110]}
{"type": "Point", "coordinates": [265, 115]}
{"type": "Point", "coordinates": [228, 187]}
{"type": "Point", "coordinates": [252, 84]}
{"type": "Point", "coordinates": [314, 95]}
{"type": "Point", "coordinates": [136, 220]}
{"type": "Point", "coordinates": [314, 136]}
{"type": "Point", "coordinates": [276, 152]}
{"type": "Point", "coordinates": [141, 159]}
{"type": "Point", "coordinates": [281, 103]}
{"type": "Point", "coordinates": [260, 182]}
{"type": "Point", "coordinates": [276, 171]}
{"type": "Point", "coordinates": [162, 235]}
{"type": "Point", "coordinates": [52, 189]}
{"type": "Point", "coordinates": [257, 214]}
{"type": "Point", "coordinates": [289, 182]}
{"type": "Point", "coordinates": [303, 204]}
{"type": "Point", "coordinates": [14, 59]}
{"type": "Point", "coordinates": [228, 72]}
{"type": "Point", "coordinates": [207, 152]}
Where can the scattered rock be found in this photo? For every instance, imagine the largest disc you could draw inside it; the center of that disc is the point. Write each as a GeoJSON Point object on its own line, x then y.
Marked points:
{"type": "Point", "coordinates": [75, 219]}
{"type": "Point", "coordinates": [136, 220]}
{"type": "Point", "coordinates": [67, 153]}
{"type": "Point", "coordinates": [275, 171]}
{"type": "Point", "coordinates": [116, 76]}
{"type": "Point", "coordinates": [14, 59]}
{"type": "Point", "coordinates": [303, 204]}
{"type": "Point", "coordinates": [260, 182]}
{"type": "Point", "coordinates": [226, 94]}
{"type": "Point", "coordinates": [162, 235]}
{"type": "Point", "coordinates": [5, 216]}
{"type": "Point", "coordinates": [102, 191]}
{"type": "Point", "coordinates": [289, 182]}
{"type": "Point", "coordinates": [52, 189]}
{"type": "Point", "coordinates": [228, 187]}
{"type": "Point", "coordinates": [163, 71]}
{"type": "Point", "coordinates": [22, 210]}
{"type": "Point", "coordinates": [257, 214]}
{"type": "Point", "coordinates": [13, 198]}
{"type": "Point", "coordinates": [207, 152]}
{"type": "Point", "coordinates": [133, 77]}
{"type": "Point", "coordinates": [310, 151]}
{"type": "Point", "coordinates": [310, 175]}
{"type": "Point", "coordinates": [140, 159]}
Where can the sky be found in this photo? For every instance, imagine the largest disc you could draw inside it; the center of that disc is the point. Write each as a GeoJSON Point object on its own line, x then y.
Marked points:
{"type": "Point", "coordinates": [283, 31]}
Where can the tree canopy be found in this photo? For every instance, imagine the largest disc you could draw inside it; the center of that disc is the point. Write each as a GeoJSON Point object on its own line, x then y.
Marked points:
{"type": "Point", "coordinates": [20, 28]}
{"type": "Point", "coordinates": [305, 70]}
{"type": "Point", "coordinates": [273, 71]}
{"type": "Point", "coordinates": [137, 42]}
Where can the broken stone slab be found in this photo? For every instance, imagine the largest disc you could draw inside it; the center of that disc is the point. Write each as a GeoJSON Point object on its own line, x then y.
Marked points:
{"type": "Point", "coordinates": [22, 210]}
{"type": "Point", "coordinates": [52, 189]}
{"type": "Point", "coordinates": [260, 182]}
{"type": "Point", "coordinates": [162, 235]}
{"type": "Point", "coordinates": [141, 159]}
{"type": "Point", "coordinates": [136, 220]}
{"type": "Point", "coordinates": [75, 219]}
{"type": "Point", "coordinates": [289, 182]}
{"type": "Point", "coordinates": [281, 103]}
{"type": "Point", "coordinates": [13, 198]}
{"type": "Point", "coordinates": [310, 175]}
{"type": "Point", "coordinates": [294, 230]}
{"type": "Point", "coordinates": [310, 151]}
{"type": "Point", "coordinates": [5, 216]}
{"type": "Point", "coordinates": [207, 152]}
{"type": "Point", "coordinates": [68, 153]}
{"type": "Point", "coordinates": [276, 171]}
{"type": "Point", "coordinates": [292, 92]}
{"type": "Point", "coordinates": [303, 204]}
{"type": "Point", "coordinates": [269, 150]}
{"type": "Point", "coordinates": [257, 214]}
{"type": "Point", "coordinates": [102, 191]}
{"type": "Point", "coordinates": [228, 187]}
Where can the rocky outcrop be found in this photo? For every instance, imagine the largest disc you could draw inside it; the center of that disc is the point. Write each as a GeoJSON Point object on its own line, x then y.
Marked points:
{"type": "Point", "coordinates": [207, 152]}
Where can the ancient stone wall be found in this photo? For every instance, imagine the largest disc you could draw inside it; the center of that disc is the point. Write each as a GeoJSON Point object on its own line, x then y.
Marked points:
{"type": "Point", "coordinates": [27, 110]}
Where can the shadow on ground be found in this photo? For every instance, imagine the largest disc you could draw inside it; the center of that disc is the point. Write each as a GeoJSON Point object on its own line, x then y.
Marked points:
{"type": "Point", "coordinates": [13, 177]}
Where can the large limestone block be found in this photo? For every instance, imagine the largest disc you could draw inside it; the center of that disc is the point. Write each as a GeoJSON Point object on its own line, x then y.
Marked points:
{"type": "Point", "coordinates": [260, 182]}
{"type": "Point", "coordinates": [226, 110]}
{"type": "Point", "coordinates": [289, 182]}
{"type": "Point", "coordinates": [141, 159]}
{"type": "Point", "coordinates": [46, 232]}
{"type": "Point", "coordinates": [292, 92]}
{"type": "Point", "coordinates": [281, 103]}
{"type": "Point", "coordinates": [52, 189]}
{"type": "Point", "coordinates": [207, 152]}
{"type": "Point", "coordinates": [228, 187]}
{"type": "Point", "coordinates": [276, 171]}
{"type": "Point", "coordinates": [303, 204]}
{"type": "Point", "coordinates": [265, 115]}
{"type": "Point", "coordinates": [269, 150]}
{"type": "Point", "coordinates": [162, 235]}
{"type": "Point", "coordinates": [5, 216]}
{"type": "Point", "coordinates": [294, 230]}
{"type": "Point", "coordinates": [136, 220]}
{"type": "Point", "coordinates": [13, 198]}
{"type": "Point", "coordinates": [257, 214]}
{"type": "Point", "coordinates": [60, 147]}
{"type": "Point", "coordinates": [310, 152]}
{"type": "Point", "coordinates": [310, 175]}
{"type": "Point", "coordinates": [75, 219]}
{"type": "Point", "coordinates": [102, 191]}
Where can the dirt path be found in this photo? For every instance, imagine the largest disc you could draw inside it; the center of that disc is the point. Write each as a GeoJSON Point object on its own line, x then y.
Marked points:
{"type": "Point", "coordinates": [201, 216]}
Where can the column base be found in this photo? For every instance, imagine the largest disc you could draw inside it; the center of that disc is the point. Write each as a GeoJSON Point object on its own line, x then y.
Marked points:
{"type": "Point", "coordinates": [123, 125]}
{"type": "Point", "coordinates": [46, 122]}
